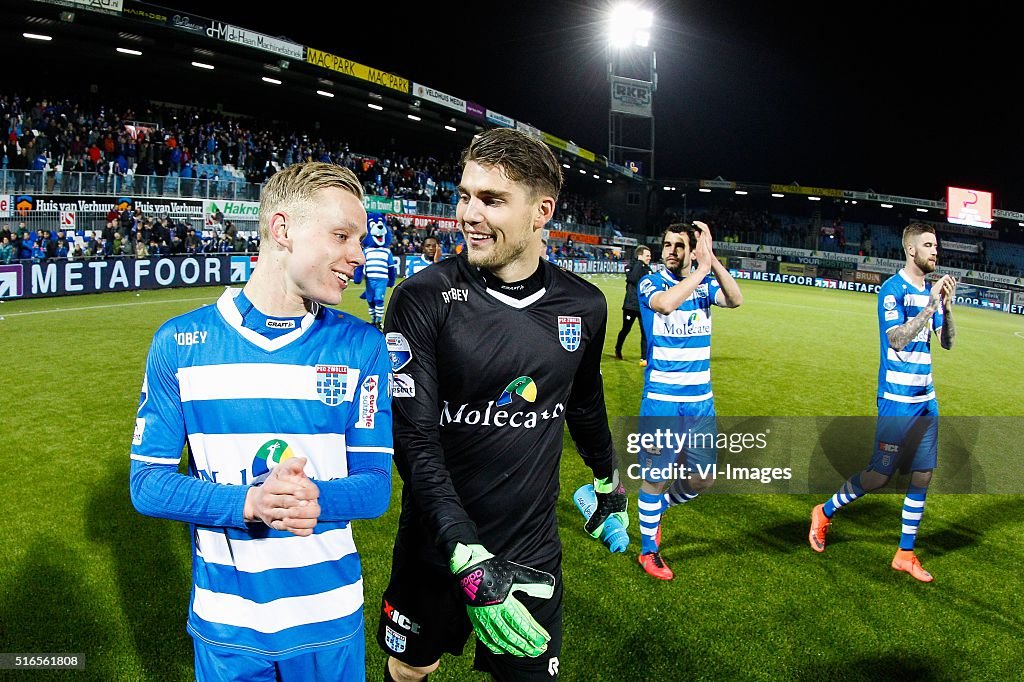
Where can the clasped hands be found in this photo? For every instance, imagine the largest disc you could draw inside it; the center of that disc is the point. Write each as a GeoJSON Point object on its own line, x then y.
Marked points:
{"type": "Point", "coordinates": [287, 500]}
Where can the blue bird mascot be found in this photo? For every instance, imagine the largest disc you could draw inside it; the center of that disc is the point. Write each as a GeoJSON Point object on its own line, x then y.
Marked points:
{"type": "Point", "coordinates": [380, 268]}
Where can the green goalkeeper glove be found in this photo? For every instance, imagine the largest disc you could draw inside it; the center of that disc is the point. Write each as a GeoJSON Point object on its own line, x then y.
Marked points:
{"type": "Point", "coordinates": [500, 620]}
{"type": "Point", "coordinates": [611, 501]}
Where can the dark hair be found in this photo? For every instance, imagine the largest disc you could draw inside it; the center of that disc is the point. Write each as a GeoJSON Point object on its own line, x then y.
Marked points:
{"type": "Point", "coordinates": [640, 251]}
{"type": "Point", "coordinates": [521, 158]}
{"type": "Point", "coordinates": [689, 229]}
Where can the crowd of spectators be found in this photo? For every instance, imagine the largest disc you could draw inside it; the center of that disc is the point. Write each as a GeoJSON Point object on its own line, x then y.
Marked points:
{"type": "Point", "coordinates": [212, 153]}
{"type": "Point", "coordinates": [201, 152]}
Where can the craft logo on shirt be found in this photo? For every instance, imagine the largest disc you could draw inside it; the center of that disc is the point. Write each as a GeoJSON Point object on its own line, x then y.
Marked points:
{"type": "Point", "coordinates": [332, 384]}
{"type": "Point", "coordinates": [570, 332]}
{"type": "Point", "coordinates": [368, 403]}
{"type": "Point", "coordinates": [280, 324]}
{"type": "Point", "coordinates": [398, 350]}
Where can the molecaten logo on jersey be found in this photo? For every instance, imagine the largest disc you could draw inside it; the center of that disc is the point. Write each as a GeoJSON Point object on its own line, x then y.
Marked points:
{"type": "Point", "coordinates": [331, 383]}
{"type": "Point", "coordinates": [570, 332]}
{"type": "Point", "coordinates": [522, 386]}
{"type": "Point", "coordinates": [487, 416]}
{"type": "Point", "coordinates": [270, 454]}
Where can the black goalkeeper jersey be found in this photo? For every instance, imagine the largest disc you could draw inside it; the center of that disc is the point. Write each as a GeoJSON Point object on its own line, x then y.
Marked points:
{"type": "Point", "coordinates": [481, 387]}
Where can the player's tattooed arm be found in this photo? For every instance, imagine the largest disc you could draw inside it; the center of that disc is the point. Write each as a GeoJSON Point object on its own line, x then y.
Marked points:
{"type": "Point", "coordinates": [948, 331]}
{"type": "Point", "coordinates": [903, 334]}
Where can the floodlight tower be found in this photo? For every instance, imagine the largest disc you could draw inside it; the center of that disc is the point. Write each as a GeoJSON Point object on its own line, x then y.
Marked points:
{"type": "Point", "coordinates": [633, 77]}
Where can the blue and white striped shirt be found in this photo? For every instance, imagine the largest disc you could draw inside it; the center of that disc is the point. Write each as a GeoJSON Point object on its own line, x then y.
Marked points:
{"type": "Point", "coordinates": [678, 344]}
{"type": "Point", "coordinates": [905, 376]}
{"type": "Point", "coordinates": [379, 262]}
{"type": "Point", "coordinates": [415, 262]}
{"type": "Point", "coordinates": [244, 403]}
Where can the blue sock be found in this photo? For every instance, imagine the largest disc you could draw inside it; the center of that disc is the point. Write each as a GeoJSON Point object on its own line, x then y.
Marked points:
{"type": "Point", "coordinates": [913, 510]}
{"type": "Point", "coordinates": [650, 507]}
{"type": "Point", "coordinates": [850, 491]}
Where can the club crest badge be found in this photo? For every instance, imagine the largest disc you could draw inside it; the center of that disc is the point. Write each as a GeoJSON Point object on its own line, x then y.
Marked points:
{"type": "Point", "coordinates": [570, 332]}
{"type": "Point", "coordinates": [332, 384]}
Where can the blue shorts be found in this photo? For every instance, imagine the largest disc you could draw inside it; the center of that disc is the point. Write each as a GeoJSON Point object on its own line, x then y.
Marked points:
{"type": "Point", "coordinates": [906, 437]}
{"type": "Point", "coordinates": [346, 663]}
{"type": "Point", "coordinates": [695, 429]}
{"type": "Point", "coordinates": [376, 288]}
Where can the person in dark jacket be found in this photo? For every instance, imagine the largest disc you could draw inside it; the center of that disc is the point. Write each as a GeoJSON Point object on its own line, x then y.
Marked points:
{"type": "Point", "coordinates": [631, 305]}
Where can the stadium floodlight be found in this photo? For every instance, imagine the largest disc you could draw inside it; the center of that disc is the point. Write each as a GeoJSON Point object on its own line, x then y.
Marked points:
{"type": "Point", "coordinates": [741, 192]}
{"type": "Point", "coordinates": [375, 107]}
{"type": "Point", "coordinates": [201, 65]}
{"type": "Point", "coordinates": [583, 170]}
{"type": "Point", "coordinates": [37, 36]}
{"type": "Point", "coordinates": [629, 26]}
{"type": "Point", "coordinates": [814, 198]}
{"type": "Point", "coordinates": [272, 81]}
{"type": "Point", "coordinates": [922, 210]}
{"type": "Point", "coordinates": [596, 176]}
{"type": "Point", "coordinates": [324, 93]}
{"type": "Point", "coordinates": [777, 195]}
{"type": "Point", "coordinates": [565, 165]}
{"type": "Point", "coordinates": [886, 205]}
{"type": "Point", "coordinates": [608, 180]}
{"type": "Point", "coordinates": [705, 190]}
{"type": "Point", "coordinates": [128, 50]}
{"type": "Point", "coordinates": [450, 128]}
{"type": "Point", "coordinates": [413, 117]}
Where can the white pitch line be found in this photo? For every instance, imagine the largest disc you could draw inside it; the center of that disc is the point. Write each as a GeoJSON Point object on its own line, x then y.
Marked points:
{"type": "Point", "coordinates": [1019, 335]}
{"type": "Point", "coordinates": [110, 305]}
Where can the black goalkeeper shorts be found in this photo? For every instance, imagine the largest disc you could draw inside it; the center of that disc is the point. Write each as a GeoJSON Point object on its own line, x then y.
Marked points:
{"type": "Point", "coordinates": [423, 616]}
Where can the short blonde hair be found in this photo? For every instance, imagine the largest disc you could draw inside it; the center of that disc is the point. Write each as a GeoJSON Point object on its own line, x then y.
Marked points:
{"type": "Point", "coordinates": [293, 189]}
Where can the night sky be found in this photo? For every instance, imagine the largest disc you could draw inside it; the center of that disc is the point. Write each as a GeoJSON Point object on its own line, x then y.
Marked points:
{"type": "Point", "coordinates": [897, 97]}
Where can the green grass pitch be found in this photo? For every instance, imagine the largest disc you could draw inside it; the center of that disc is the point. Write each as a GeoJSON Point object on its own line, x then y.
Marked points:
{"type": "Point", "coordinates": [83, 572]}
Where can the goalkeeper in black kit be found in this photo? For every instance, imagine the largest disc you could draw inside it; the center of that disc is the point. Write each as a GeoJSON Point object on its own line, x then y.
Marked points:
{"type": "Point", "coordinates": [492, 352]}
